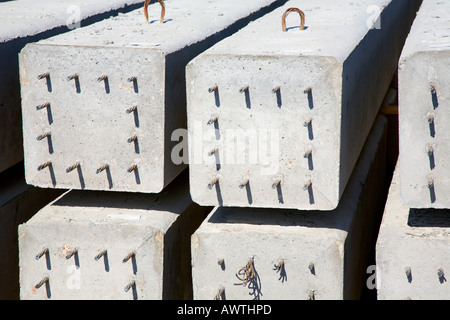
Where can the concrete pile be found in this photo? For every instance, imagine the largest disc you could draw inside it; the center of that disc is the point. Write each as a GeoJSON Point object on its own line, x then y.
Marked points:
{"type": "Point", "coordinates": [213, 150]}
{"type": "Point", "coordinates": [412, 248]}
{"type": "Point", "coordinates": [22, 22]}
{"type": "Point", "coordinates": [312, 104]}
{"type": "Point", "coordinates": [100, 105]}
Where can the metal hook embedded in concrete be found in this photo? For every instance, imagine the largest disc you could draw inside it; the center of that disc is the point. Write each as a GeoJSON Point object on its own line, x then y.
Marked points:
{"type": "Point", "coordinates": [163, 10]}
{"type": "Point", "coordinates": [43, 136]}
{"type": "Point", "coordinates": [213, 88]}
{"type": "Point", "coordinates": [286, 13]}
{"type": "Point", "coordinates": [44, 165]}
{"type": "Point", "coordinates": [100, 254]}
{"type": "Point", "coordinates": [42, 282]}
{"type": "Point", "coordinates": [43, 106]}
{"type": "Point", "coordinates": [40, 254]}
{"type": "Point", "coordinates": [102, 168]}
{"type": "Point", "coordinates": [213, 182]}
{"type": "Point", "coordinates": [43, 75]}
{"type": "Point", "coordinates": [73, 167]}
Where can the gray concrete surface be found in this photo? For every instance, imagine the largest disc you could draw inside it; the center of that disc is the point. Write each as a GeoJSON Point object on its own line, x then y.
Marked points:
{"type": "Point", "coordinates": [88, 120]}
{"type": "Point", "coordinates": [424, 113]}
{"type": "Point", "coordinates": [156, 227]}
{"type": "Point", "coordinates": [18, 203]}
{"type": "Point", "coordinates": [307, 136]}
{"type": "Point", "coordinates": [325, 254]}
{"type": "Point", "coordinates": [25, 21]}
{"type": "Point", "coordinates": [412, 254]}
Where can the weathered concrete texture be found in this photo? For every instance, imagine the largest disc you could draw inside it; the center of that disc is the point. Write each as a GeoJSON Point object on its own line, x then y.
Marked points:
{"type": "Point", "coordinates": [412, 253]}
{"type": "Point", "coordinates": [308, 101]}
{"type": "Point", "coordinates": [424, 110]}
{"type": "Point", "coordinates": [92, 122]}
{"type": "Point", "coordinates": [25, 21]}
{"type": "Point", "coordinates": [156, 227]}
{"type": "Point", "coordinates": [325, 254]}
{"type": "Point", "coordinates": [18, 203]}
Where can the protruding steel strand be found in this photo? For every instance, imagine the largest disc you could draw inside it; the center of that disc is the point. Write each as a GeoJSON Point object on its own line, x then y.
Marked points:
{"type": "Point", "coordinates": [100, 254]}
{"type": "Point", "coordinates": [132, 168]}
{"type": "Point", "coordinates": [43, 136]}
{"type": "Point", "coordinates": [43, 106]}
{"type": "Point", "coordinates": [72, 77]}
{"type": "Point", "coordinates": [72, 253]}
{"type": "Point", "coordinates": [42, 282]}
{"type": "Point", "coordinates": [102, 78]}
{"type": "Point", "coordinates": [129, 256]}
{"type": "Point", "coordinates": [43, 75]}
{"type": "Point", "coordinates": [41, 253]}
{"type": "Point", "coordinates": [213, 182]}
{"type": "Point", "coordinates": [44, 165]}
{"type": "Point", "coordinates": [132, 109]}
{"type": "Point", "coordinates": [102, 168]}
{"type": "Point", "coordinates": [129, 286]}
{"type": "Point", "coordinates": [73, 167]}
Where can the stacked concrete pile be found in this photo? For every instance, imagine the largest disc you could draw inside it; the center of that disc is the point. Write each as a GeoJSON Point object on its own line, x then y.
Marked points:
{"type": "Point", "coordinates": [22, 22]}
{"type": "Point", "coordinates": [412, 248]}
{"type": "Point", "coordinates": [100, 106]}
{"type": "Point", "coordinates": [278, 120]}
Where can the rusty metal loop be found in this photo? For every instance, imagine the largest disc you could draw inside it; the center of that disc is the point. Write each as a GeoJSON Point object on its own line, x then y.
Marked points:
{"type": "Point", "coordinates": [246, 273]}
{"type": "Point", "coordinates": [302, 18]}
{"type": "Point", "coordinates": [163, 10]}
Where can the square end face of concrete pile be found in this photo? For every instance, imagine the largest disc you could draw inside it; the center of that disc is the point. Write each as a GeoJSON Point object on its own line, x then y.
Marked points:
{"type": "Point", "coordinates": [262, 253]}
{"type": "Point", "coordinates": [93, 119]}
{"type": "Point", "coordinates": [412, 251]}
{"type": "Point", "coordinates": [424, 139]}
{"type": "Point", "coordinates": [263, 130]}
{"type": "Point", "coordinates": [94, 245]}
